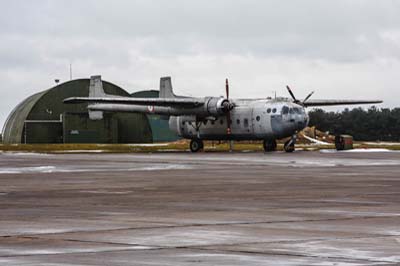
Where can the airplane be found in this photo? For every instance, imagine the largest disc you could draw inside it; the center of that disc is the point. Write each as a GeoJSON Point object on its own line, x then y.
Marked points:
{"type": "Point", "coordinates": [215, 118]}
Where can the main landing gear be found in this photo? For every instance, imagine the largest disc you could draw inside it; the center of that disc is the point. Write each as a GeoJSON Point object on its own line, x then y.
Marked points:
{"type": "Point", "coordinates": [196, 145]}
{"type": "Point", "coordinates": [269, 145]}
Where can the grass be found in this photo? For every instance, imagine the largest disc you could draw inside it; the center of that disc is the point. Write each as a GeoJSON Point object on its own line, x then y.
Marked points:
{"type": "Point", "coordinates": [167, 147]}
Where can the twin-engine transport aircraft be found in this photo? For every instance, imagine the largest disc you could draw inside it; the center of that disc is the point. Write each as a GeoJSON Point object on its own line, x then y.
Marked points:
{"type": "Point", "coordinates": [215, 118]}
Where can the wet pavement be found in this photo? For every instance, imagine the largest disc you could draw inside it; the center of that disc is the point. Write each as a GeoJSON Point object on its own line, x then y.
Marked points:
{"type": "Point", "coordinates": [305, 208]}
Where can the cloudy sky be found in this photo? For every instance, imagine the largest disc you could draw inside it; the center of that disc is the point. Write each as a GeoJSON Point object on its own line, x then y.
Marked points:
{"type": "Point", "coordinates": [340, 49]}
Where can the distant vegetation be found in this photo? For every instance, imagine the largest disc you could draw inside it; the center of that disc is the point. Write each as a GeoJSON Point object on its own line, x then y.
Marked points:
{"type": "Point", "coordinates": [369, 125]}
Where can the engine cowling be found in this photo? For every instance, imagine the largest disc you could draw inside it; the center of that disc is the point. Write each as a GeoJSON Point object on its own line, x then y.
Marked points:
{"type": "Point", "coordinates": [218, 106]}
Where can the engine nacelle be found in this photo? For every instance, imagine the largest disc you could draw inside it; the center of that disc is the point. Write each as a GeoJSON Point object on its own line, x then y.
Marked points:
{"type": "Point", "coordinates": [217, 106]}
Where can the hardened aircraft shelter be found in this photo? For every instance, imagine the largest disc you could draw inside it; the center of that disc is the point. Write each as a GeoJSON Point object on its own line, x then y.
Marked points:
{"type": "Point", "coordinates": [44, 118]}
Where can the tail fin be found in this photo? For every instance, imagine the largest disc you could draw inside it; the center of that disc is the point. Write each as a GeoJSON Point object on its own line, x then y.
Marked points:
{"type": "Point", "coordinates": [166, 88]}
{"type": "Point", "coordinates": [96, 87]}
{"type": "Point", "coordinates": [96, 90]}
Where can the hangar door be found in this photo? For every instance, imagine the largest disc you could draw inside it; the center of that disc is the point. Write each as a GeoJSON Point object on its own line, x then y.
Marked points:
{"type": "Point", "coordinates": [79, 128]}
{"type": "Point", "coordinates": [42, 131]}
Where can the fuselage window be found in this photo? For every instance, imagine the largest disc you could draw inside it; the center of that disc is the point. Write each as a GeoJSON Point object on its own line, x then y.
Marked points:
{"type": "Point", "coordinates": [269, 110]}
{"type": "Point", "coordinates": [258, 118]}
{"type": "Point", "coordinates": [183, 123]}
{"type": "Point", "coordinates": [205, 122]}
{"type": "Point", "coordinates": [221, 122]}
{"type": "Point", "coordinates": [238, 121]}
{"type": "Point", "coordinates": [285, 110]}
{"type": "Point", "coordinates": [212, 122]}
{"type": "Point", "coordinates": [246, 122]}
{"type": "Point", "coordinates": [274, 110]}
{"type": "Point", "coordinates": [297, 110]}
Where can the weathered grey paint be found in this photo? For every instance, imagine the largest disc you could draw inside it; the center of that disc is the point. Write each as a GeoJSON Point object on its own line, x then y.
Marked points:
{"type": "Point", "coordinates": [260, 124]}
{"type": "Point", "coordinates": [205, 118]}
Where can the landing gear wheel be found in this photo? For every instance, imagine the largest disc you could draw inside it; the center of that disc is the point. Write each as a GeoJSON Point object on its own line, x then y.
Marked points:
{"type": "Point", "coordinates": [196, 145]}
{"type": "Point", "coordinates": [289, 146]}
{"type": "Point", "coordinates": [269, 145]}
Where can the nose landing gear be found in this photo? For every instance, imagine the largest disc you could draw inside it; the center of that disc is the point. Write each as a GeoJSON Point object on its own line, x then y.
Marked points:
{"type": "Point", "coordinates": [289, 145]}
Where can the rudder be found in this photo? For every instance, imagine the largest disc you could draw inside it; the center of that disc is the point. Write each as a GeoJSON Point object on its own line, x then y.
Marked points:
{"type": "Point", "coordinates": [96, 90]}
{"type": "Point", "coordinates": [166, 88]}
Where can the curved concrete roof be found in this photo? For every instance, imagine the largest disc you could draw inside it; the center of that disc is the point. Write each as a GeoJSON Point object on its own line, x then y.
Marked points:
{"type": "Point", "coordinates": [12, 130]}
{"type": "Point", "coordinates": [48, 105]}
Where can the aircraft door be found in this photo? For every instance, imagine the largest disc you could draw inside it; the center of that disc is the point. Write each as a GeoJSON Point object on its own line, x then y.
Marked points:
{"type": "Point", "coordinates": [257, 121]}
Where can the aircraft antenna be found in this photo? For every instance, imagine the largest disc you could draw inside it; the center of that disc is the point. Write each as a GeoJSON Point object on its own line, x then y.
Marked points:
{"type": "Point", "coordinates": [70, 71]}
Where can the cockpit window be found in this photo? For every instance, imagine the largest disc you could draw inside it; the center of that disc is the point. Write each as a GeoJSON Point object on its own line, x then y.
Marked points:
{"type": "Point", "coordinates": [285, 110]}
{"type": "Point", "coordinates": [291, 111]}
{"type": "Point", "coordinates": [297, 110]}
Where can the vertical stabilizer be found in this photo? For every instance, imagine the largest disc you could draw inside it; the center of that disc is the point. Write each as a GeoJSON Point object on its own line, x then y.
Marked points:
{"type": "Point", "coordinates": [166, 88]}
{"type": "Point", "coordinates": [96, 90]}
{"type": "Point", "coordinates": [96, 87]}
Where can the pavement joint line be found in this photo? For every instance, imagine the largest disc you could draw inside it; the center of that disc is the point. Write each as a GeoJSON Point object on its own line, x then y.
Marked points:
{"type": "Point", "coordinates": [156, 247]}
{"type": "Point", "coordinates": [289, 254]}
{"type": "Point", "coordinates": [88, 241]}
{"type": "Point", "coordinates": [201, 225]}
{"type": "Point", "coordinates": [77, 252]}
{"type": "Point", "coordinates": [291, 241]}
{"type": "Point", "coordinates": [202, 248]}
{"type": "Point", "coordinates": [315, 223]}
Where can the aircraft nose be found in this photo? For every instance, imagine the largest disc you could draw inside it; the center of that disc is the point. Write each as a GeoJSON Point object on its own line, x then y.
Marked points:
{"type": "Point", "coordinates": [302, 122]}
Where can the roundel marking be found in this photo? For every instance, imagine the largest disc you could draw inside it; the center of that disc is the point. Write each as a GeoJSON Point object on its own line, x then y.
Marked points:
{"type": "Point", "coordinates": [150, 108]}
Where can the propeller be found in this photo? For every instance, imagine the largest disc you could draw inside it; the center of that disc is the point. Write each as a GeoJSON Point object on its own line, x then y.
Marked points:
{"type": "Point", "coordinates": [308, 97]}
{"type": "Point", "coordinates": [294, 98]}
{"type": "Point", "coordinates": [228, 113]}
{"type": "Point", "coordinates": [292, 94]}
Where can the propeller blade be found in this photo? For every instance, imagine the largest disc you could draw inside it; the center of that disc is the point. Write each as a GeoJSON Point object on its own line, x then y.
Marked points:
{"type": "Point", "coordinates": [308, 97]}
{"type": "Point", "coordinates": [291, 94]}
{"type": "Point", "coordinates": [227, 88]}
{"type": "Point", "coordinates": [228, 113]}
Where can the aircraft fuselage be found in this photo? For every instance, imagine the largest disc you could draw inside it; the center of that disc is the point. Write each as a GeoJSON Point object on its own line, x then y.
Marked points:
{"type": "Point", "coordinates": [250, 120]}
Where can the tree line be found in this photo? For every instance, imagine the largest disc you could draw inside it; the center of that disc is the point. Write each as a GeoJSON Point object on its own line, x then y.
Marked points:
{"type": "Point", "coordinates": [368, 125]}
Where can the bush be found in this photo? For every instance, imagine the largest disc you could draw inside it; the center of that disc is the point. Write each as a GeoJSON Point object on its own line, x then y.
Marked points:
{"type": "Point", "coordinates": [367, 125]}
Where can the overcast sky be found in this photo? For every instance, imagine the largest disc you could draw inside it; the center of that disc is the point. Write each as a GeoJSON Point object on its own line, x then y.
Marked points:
{"type": "Point", "coordinates": [341, 49]}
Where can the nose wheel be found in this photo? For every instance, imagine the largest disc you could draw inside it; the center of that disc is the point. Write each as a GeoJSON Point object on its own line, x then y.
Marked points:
{"type": "Point", "coordinates": [196, 145]}
{"type": "Point", "coordinates": [289, 145]}
{"type": "Point", "coordinates": [269, 145]}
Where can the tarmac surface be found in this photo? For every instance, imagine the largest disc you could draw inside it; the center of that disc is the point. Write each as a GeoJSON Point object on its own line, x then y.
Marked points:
{"type": "Point", "coordinates": [305, 208]}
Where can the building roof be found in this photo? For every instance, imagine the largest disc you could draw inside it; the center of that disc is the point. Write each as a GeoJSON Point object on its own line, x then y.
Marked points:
{"type": "Point", "coordinates": [48, 105]}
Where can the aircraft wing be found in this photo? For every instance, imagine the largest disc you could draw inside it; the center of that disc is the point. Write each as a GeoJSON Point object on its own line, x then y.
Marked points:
{"type": "Point", "coordinates": [172, 102]}
{"type": "Point", "coordinates": [311, 103]}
